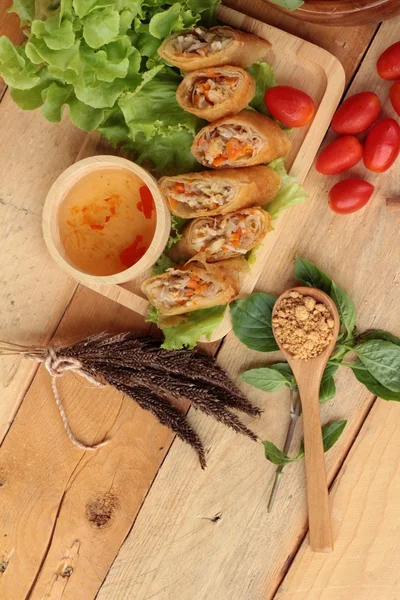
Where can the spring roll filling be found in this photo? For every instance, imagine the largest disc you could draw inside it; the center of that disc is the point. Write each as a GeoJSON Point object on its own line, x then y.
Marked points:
{"type": "Point", "coordinates": [208, 91]}
{"type": "Point", "coordinates": [226, 144]}
{"type": "Point", "coordinates": [201, 42]}
{"type": "Point", "coordinates": [233, 234]}
{"type": "Point", "coordinates": [181, 288]}
{"type": "Point", "coordinates": [200, 195]}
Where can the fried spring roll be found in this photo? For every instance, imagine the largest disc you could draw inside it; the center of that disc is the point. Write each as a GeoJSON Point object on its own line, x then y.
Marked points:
{"type": "Point", "coordinates": [248, 138]}
{"type": "Point", "coordinates": [200, 48]}
{"type": "Point", "coordinates": [225, 236]}
{"type": "Point", "coordinates": [216, 92]}
{"type": "Point", "coordinates": [210, 193]}
{"type": "Point", "coordinates": [194, 286]}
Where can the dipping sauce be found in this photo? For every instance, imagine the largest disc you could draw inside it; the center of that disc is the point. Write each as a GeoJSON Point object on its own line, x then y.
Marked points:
{"type": "Point", "coordinates": [107, 221]}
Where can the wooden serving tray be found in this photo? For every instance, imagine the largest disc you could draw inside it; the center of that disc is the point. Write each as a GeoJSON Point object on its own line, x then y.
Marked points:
{"type": "Point", "coordinates": [297, 63]}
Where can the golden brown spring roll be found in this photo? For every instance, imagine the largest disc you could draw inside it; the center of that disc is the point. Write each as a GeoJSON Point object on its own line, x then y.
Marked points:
{"type": "Point", "coordinates": [200, 48]}
{"type": "Point", "coordinates": [216, 92]}
{"type": "Point", "coordinates": [191, 287]}
{"type": "Point", "coordinates": [210, 193]}
{"type": "Point", "coordinates": [225, 236]}
{"type": "Point", "coordinates": [248, 138]}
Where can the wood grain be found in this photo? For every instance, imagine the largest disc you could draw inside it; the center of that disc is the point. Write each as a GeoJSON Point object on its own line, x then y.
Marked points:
{"type": "Point", "coordinates": [63, 510]}
{"type": "Point", "coordinates": [348, 44]}
{"type": "Point", "coordinates": [33, 153]}
{"type": "Point", "coordinates": [366, 521]}
{"type": "Point", "coordinates": [246, 552]}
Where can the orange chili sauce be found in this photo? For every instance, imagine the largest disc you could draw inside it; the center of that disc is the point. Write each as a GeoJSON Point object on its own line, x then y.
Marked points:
{"type": "Point", "coordinates": [107, 221]}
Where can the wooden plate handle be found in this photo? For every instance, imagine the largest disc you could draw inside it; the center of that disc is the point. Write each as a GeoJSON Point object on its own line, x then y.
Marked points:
{"type": "Point", "coordinates": [317, 488]}
{"type": "Point", "coordinates": [122, 296]}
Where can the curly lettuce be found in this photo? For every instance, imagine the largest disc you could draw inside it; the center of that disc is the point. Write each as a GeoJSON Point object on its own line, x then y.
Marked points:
{"type": "Point", "coordinates": [98, 61]}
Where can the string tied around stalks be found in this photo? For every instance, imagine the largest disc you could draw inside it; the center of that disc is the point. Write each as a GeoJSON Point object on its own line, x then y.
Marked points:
{"type": "Point", "coordinates": [153, 377]}
{"type": "Point", "coordinates": [56, 366]}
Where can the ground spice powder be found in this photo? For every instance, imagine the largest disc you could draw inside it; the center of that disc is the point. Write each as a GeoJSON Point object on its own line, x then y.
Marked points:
{"type": "Point", "coordinates": [303, 326]}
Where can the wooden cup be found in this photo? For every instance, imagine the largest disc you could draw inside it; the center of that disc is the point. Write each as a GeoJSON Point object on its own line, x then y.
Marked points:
{"type": "Point", "coordinates": [59, 192]}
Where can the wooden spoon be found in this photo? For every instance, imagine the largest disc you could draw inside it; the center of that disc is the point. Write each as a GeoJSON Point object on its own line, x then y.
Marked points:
{"type": "Point", "coordinates": [308, 374]}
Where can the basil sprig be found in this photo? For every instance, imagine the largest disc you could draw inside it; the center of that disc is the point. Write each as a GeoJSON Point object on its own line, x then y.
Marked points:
{"type": "Point", "coordinates": [375, 358]}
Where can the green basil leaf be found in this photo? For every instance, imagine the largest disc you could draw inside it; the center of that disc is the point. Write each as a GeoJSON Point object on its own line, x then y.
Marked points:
{"type": "Point", "coordinates": [327, 390]}
{"type": "Point", "coordinates": [276, 456]}
{"type": "Point", "coordinates": [378, 334]}
{"type": "Point", "coordinates": [251, 322]}
{"type": "Point", "coordinates": [306, 272]}
{"type": "Point", "coordinates": [372, 384]}
{"type": "Point", "coordinates": [268, 379]}
{"type": "Point", "coordinates": [345, 306]}
{"type": "Point", "coordinates": [382, 360]}
{"type": "Point", "coordinates": [331, 433]}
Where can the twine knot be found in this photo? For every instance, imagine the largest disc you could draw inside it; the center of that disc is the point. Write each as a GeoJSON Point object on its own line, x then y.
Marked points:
{"type": "Point", "coordinates": [56, 366]}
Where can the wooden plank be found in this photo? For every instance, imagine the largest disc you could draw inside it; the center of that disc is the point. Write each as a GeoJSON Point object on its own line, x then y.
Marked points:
{"type": "Point", "coordinates": [246, 552]}
{"type": "Point", "coordinates": [34, 292]}
{"type": "Point", "coordinates": [348, 44]}
{"type": "Point", "coordinates": [51, 487]}
{"type": "Point", "coordinates": [64, 513]}
{"type": "Point", "coordinates": [366, 522]}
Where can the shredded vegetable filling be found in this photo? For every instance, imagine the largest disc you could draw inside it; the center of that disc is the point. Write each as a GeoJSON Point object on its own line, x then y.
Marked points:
{"type": "Point", "coordinates": [201, 42]}
{"type": "Point", "coordinates": [226, 144]}
{"type": "Point", "coordinates": [208, 91]}
{"type": "Point", "coordinates": [181, 288]}
{"type": "Point", "coordinates": [230, 235]}
{"type": "Point", "coordinates": [201, 194]}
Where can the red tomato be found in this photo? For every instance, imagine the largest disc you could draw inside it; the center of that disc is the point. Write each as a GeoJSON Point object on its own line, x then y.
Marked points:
{"type": "Point", "coordinates": [340, 155]}
{"type": "Point", "coordinates": [350, 195]}
{"type": "Point", "coordinates": [395, 96]}
{"type": "Point", "coordinates": [290, 106]}
{"type": "Point", "coordinates": [382, 146]}
{"type": "Point", "coordinates": [356, 114]}
{"type": "Point", "coordinates": [388, 64]}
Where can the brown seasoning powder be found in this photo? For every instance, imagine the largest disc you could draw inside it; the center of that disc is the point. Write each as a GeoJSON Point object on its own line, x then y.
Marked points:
{"type": "Point", "coordinates": [303, 326]}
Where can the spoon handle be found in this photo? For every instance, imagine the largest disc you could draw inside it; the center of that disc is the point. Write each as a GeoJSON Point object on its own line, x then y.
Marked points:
{"type": "Point", "coordinates": [317, 488]}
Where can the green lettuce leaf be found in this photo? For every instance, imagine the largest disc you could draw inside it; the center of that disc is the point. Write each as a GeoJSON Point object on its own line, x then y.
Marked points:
{"type": "Point", "coordinates": [289, 4]}
{"type": "Point", "coordinates": [165, 154]}
{"type": "Point", "coordinates": [162, 264]}
{"type": "Point", "coordinates": [194, 325]}
{"type": "Point", "coordinates": [264, 76]}
{"type": "Point", "coordinates": [101, 27]}
{"type": "Point", "coordinates": [16, 69]}
{"type": "Point", "coordinates": [290, 192]}
{"type": "Point", "coordinates": [152, 108]}
{"type": "Point", "coordinates": [25, 9]}
{"type": "Point", "coordinates": [56, 35]}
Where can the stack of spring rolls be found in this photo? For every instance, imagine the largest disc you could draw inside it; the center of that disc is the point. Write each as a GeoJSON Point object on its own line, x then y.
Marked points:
{"type": "Point", "coordinates": [224, 203]}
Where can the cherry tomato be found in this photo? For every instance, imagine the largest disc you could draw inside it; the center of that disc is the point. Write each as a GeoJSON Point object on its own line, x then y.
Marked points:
{"type": "Point", "coordinates": [340, 155]}
{"type": "Point", "coordinates": [382, 146]}
{"type": "Point", "coordinates": [388, 64]}
{"type": "Point", "coordinates": [395, 96]}
{"type": "Point", "coordinates": [350, 195]}
{"type": "Point", "coordinates": [290, 106]}
{"type": "Point", "coordinates": [356, 114]}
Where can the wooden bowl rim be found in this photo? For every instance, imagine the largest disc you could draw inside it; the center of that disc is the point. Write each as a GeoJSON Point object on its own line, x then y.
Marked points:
{"type": "Point", "coordinates": [58, 191]}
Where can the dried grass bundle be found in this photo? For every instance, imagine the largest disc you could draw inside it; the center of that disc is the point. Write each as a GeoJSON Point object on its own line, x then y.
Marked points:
{"type": "Point", "coordinates": [152, 377]}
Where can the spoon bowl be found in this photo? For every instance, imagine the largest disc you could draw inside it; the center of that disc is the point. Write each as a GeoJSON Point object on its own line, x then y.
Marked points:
{"type": "Point", "coordinates": [308, 375]}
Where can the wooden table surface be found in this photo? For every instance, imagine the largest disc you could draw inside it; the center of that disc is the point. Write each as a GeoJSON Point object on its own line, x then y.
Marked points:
{"type": "Point", "coordinates": [167, 530]}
